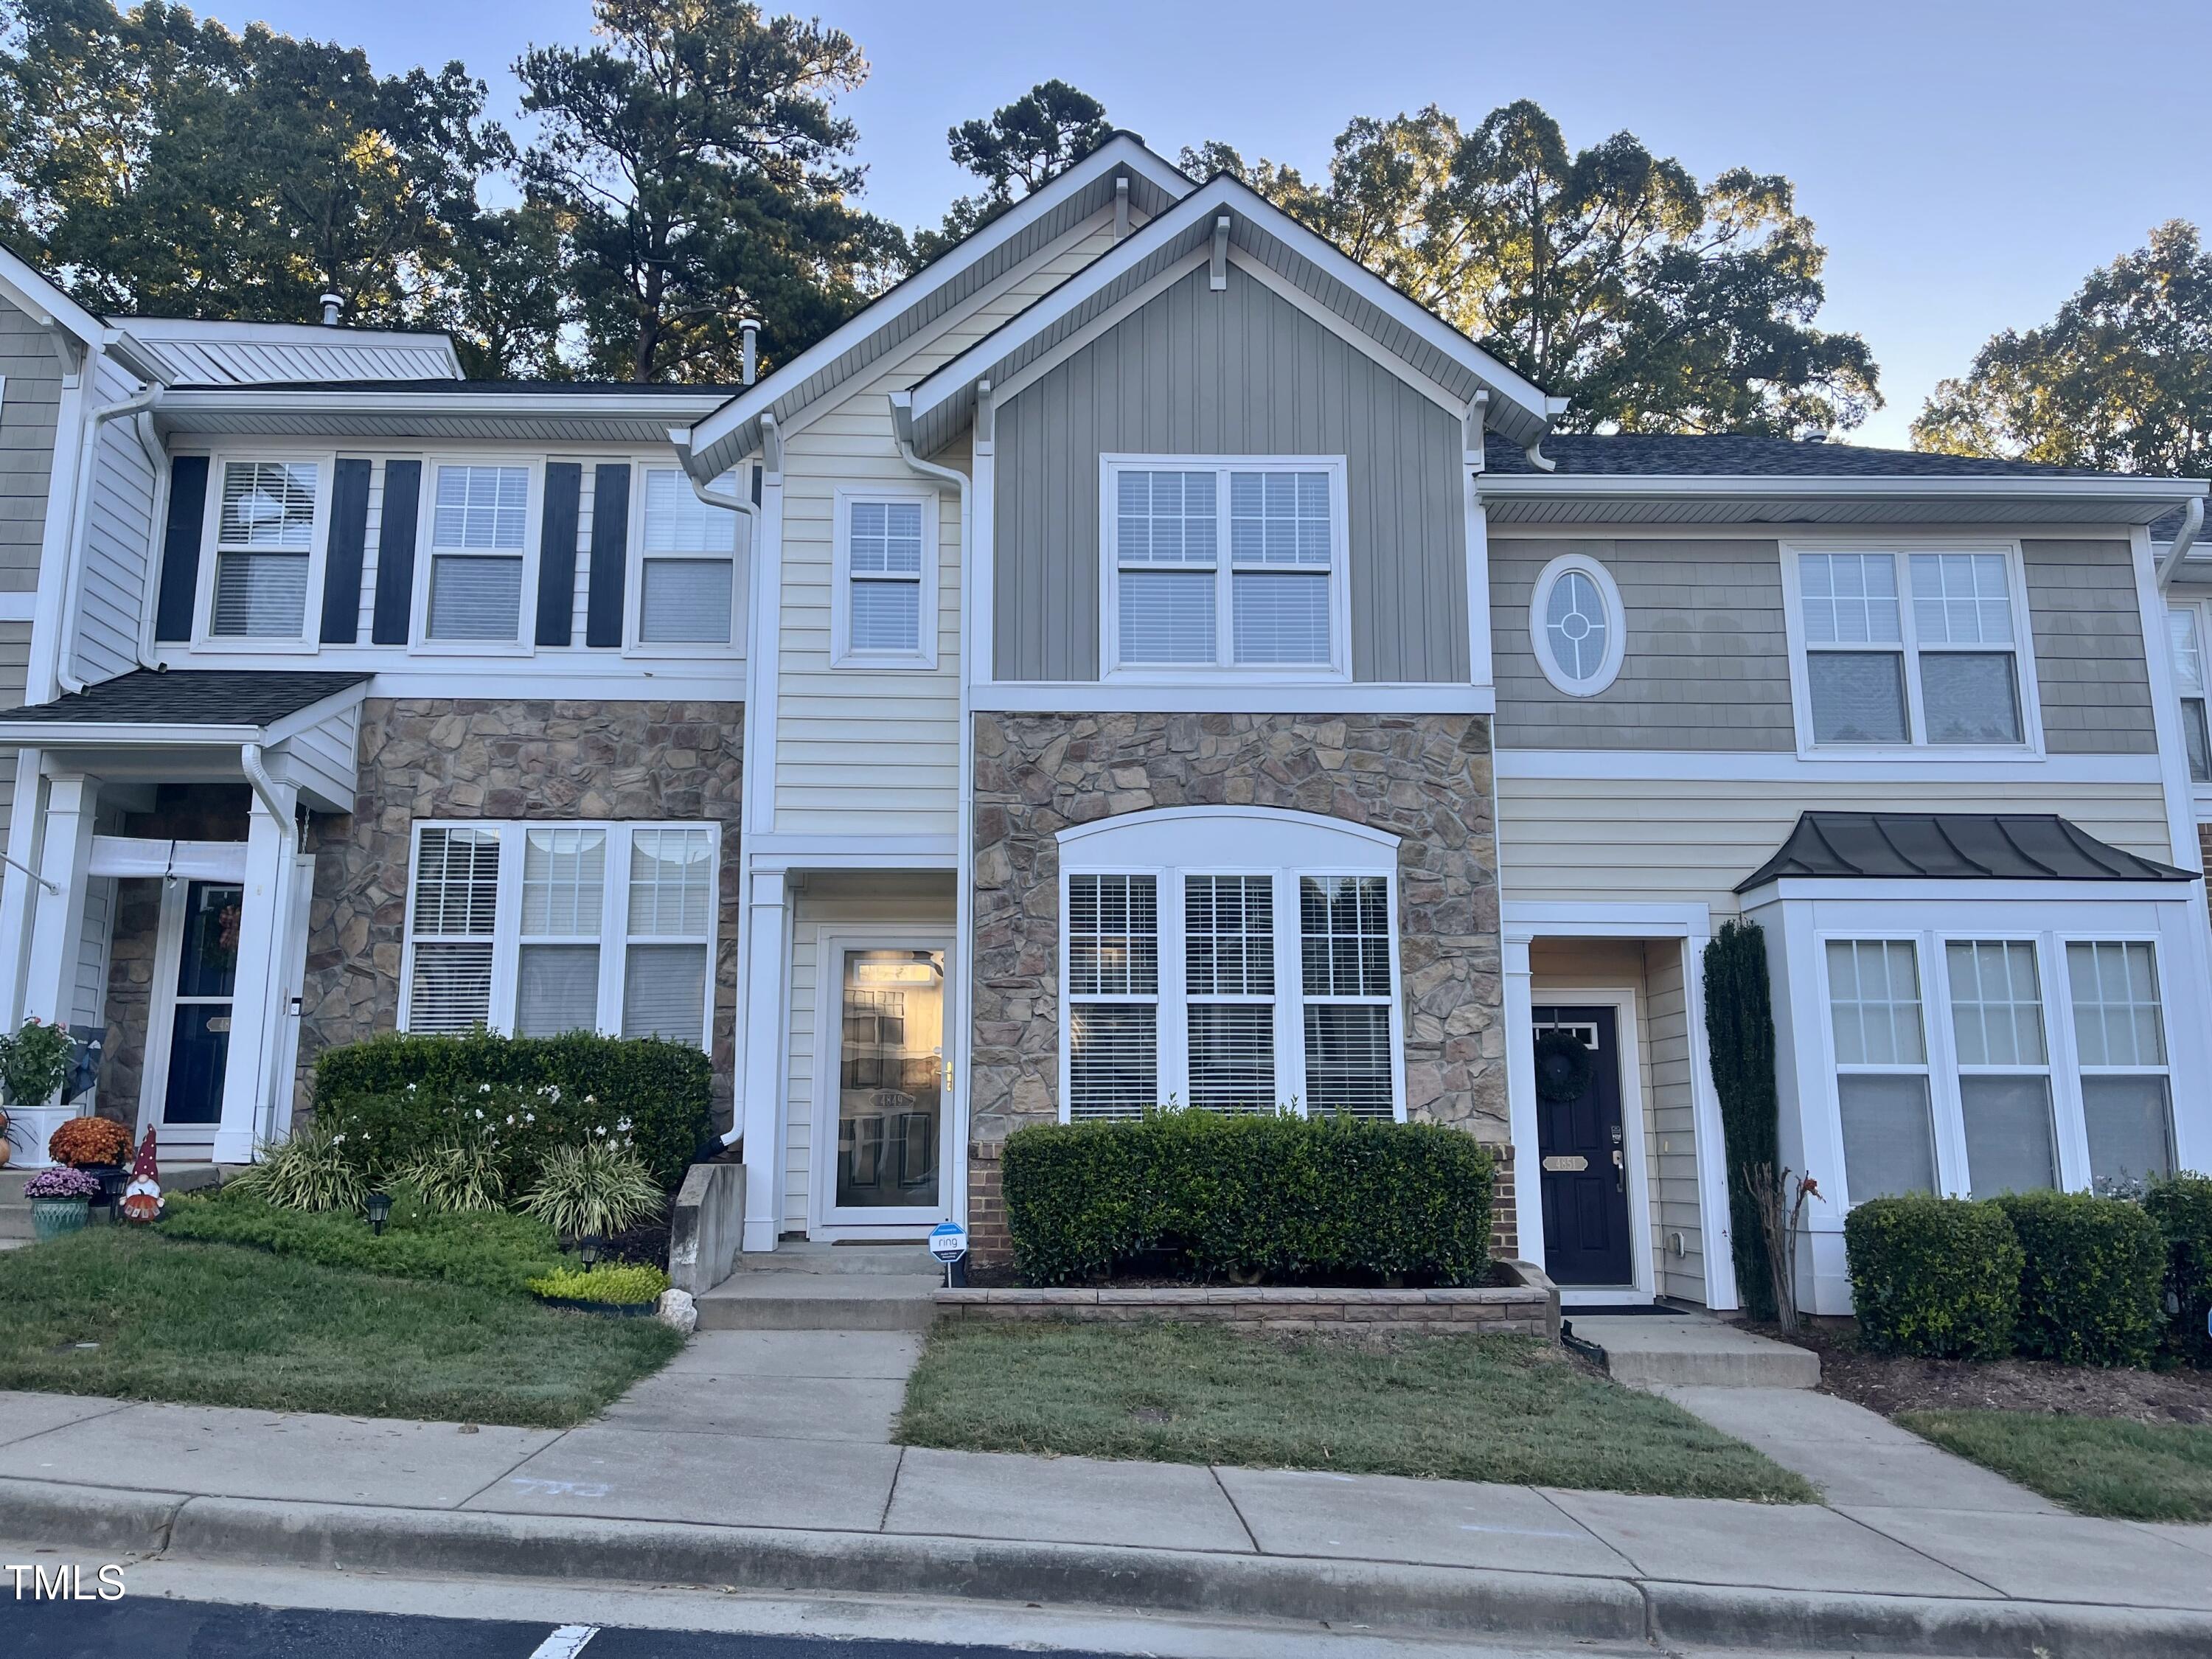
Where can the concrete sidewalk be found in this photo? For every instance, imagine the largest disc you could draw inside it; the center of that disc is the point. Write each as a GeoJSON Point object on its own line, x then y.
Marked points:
{"type": "Point", "coordinates": [762, 1459]}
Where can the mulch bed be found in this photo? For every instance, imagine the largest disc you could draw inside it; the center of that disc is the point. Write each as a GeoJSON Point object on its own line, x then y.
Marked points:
{"type": "Point", "coordinates": [1889, 1383]}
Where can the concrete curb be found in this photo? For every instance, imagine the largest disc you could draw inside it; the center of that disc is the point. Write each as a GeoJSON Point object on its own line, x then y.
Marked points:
{"type": "Point", "coordinates": [1382, 1595]}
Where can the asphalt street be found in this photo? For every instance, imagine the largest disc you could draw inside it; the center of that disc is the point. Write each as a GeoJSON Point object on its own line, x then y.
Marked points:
{"type": "Point", "coordinates": [162, 1629]}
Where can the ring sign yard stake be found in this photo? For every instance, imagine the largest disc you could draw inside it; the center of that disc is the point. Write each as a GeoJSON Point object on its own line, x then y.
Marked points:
{"type": "Point", "coordinates": [948, 1242]}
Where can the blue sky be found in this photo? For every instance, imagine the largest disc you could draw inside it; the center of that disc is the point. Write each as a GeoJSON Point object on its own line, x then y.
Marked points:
{"type": "Point", "coordinates": [1967, 163]}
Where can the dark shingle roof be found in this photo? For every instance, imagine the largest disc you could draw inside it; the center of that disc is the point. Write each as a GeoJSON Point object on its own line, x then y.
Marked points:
{"type": "Point", "coordinates": [190, 696]}
{"type": "Point", "coordinates": [1953, 847]}
{"type": "Point", "coordinates": [1729, 455]}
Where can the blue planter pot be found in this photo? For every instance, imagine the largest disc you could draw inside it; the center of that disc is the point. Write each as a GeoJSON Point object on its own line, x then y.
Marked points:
{"type": "Point", "coordinates": [53, 1216]}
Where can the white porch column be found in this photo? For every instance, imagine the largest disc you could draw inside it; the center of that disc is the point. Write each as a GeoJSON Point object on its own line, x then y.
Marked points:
{"type": "Point", "coordinates": [58, 917]}
{"type": "Point", "coordinates": [257, 998]}
{"type": "Point", "coordinates": [26, 834]}
{"type": "Point", "coordinates": [763, 1087]}
{"type": "Point", "coordinates": [1520, 1104]}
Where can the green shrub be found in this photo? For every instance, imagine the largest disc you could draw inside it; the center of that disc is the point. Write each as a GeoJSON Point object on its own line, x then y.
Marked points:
{"type": "Point", "coordinates": [2092, 1278]}
{"type": "Point", "coordinates": [1249, 1197]}
{"type": "Point", "coordinates": [624, 1285]}
{"type": "Point", "coordinates": [413, 1092]}
{"type": "Point", "coordinates": [492, 1251]}
{"type": "Point", "coordinates": [599, 1186]}
{"type": "Point", "coordinates": [311, 1170]}
{"type": "Point", "coordinates": [2182, 1207]}
{"type": "Point", "coordinates": [1934, 1276]}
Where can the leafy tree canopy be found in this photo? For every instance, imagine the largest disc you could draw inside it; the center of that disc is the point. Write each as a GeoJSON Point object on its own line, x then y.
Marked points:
{"type": "Point", "coordinates": [1609, 276]}
{"type": "Point", "coordinates": [701, 176]}
{"type": "Point", "coordinates": [2120, 379]}
{"type": "Point", "coordinates": [1025, 143]}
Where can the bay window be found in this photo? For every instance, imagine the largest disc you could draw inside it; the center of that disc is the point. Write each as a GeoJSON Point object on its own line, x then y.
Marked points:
{"type": "Point", "coordinates": [508, 925]}
{"type": "Point", "coordinates": [1223, 563]}
{"type": "Point", "coordinates": [2119, 1032]}
{"type": "Point", "coordinates": [265, 518]}
{"type": "Point", "coordinates": [1881, 1067]}
{"type": "Point", "coordinates": [2004, 1065]}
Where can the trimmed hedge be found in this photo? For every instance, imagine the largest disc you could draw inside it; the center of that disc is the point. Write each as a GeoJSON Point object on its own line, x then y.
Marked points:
{"type": "Point", "coordinates": [488, 1249]}
{"type": "Point", "coordinates": [1249, 1197]}
{"type": "Point", "coordinates": [1934, 1276]}
{"type": "Point", "coordinates": [2182, 1207]}
{"type": "Point", "coordinates": [410, 1092]}
{"type": "Point", "coordinates": [2092, 1280]}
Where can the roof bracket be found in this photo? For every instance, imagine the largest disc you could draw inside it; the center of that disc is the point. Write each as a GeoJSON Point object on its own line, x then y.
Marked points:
{"type": "Point", "coordinates": [1216, 276]}
{"type": "Point", "coordinates": [772, 447]}
{"type": "Point", "coordinates": [1121, 207]}
{"type": "Point", "coordinates": [987, 420]}
{"type": "Point", "coordinates": [1478, 410]}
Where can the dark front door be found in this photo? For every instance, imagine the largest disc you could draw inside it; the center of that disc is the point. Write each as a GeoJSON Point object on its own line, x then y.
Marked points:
{"type": "Point", "coordinates": [1580, 1139]}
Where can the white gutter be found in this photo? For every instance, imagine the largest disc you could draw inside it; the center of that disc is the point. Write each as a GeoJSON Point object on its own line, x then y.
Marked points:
{"type": "Point", "coordinates": [2193, 521]}
{"type": "Point", "coordinates": [81, 527]}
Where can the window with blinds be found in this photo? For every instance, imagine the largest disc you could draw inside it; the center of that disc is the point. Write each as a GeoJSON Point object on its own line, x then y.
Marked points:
{"type": "Point", "coordinates": [1229, 986]}
{"type": "Point", "coordinates": [687, 565]}
{"type": "Point", "coordinates": [540, 928]}
{"type": "Point", "coordinates": [884, 603]}
{"type": "Point", "coordinates": [1344, 950]}
{"type": "Point", "coordinates": [1113, 988]}
{"type": "Point", "coordinates": [1225, 565]}
{"type": "Point", "coordinates": [264, 547]}
{"type": "Point", "coordinates": [479, 525]}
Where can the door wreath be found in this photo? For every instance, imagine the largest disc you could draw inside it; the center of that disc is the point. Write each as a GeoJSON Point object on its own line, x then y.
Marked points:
{"type": "Point", "coordinates": [1563, 1064]}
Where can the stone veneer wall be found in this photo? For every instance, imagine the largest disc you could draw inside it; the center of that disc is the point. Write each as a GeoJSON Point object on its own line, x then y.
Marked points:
{"type": "Point", "coordinates": [441, 757]}
{"type": "Point", "coordinates": [1425, 778]}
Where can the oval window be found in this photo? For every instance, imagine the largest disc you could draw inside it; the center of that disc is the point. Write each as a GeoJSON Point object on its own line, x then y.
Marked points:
{"type": "Point", "coordinates": [1576, 626]}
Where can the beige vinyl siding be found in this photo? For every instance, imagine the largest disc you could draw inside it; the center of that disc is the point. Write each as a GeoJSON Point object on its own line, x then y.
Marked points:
{"type": "Point", "coordinates": [1692, 840]}
{"type": "Point", "coordinates": [1707, 662]}
{"type": "Point", "coordinates": [29, 408]}
{"type": "Point", "coordinates": [1241, 372]}
{"type": "Point", "coordinates": [2091, 677]}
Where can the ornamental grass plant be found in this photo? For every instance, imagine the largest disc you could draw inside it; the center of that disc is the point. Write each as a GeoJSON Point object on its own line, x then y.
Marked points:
{"type": "Point", "coordinates": [600, 1187]}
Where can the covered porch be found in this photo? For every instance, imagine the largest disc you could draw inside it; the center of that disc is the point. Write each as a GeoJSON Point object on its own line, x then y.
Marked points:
{"type": "Point", "coordinates": [157, 899]}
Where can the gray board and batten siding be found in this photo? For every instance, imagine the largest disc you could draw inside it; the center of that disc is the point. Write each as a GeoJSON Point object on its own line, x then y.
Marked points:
{"type": "Point", "coordinates": [1240, 372]}
{"type": "Point", "coordinates": [1707, 662]}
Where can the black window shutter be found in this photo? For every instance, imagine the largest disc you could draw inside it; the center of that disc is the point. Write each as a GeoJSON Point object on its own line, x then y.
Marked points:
{"type": "Point", "coordinates": [395, 552]}
{"type": "Point", "coordinates": [341, 561]}
{"type": "Point", "coordinates": [556, 553]}
{"type": "Point", "coordinates": [180, 549]}
{"type": "Point", "coordinates": [603, 616]}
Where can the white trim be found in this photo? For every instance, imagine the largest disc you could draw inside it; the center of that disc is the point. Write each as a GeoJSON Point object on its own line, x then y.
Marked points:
{"type": "Point", "coordinates": [824, 1220]}
{"type": "Point", "coordinates": [1256, 815]}
{"type": "Point", "coordinates": [1616, 624]}
{"type": "Point", "coordinates": [922, 660]}
{"type": "Point", "coordinates": [1225, 571]}
{"type": "Point", "coordinates": [18, 607]}
{"type": "Point", "coordinates": [1626, 1006]}
{"type": "Point", "coordinates": [1909, 649]}
{"type": "Point", "coordinates": [1907, 890]}
{"type": "Point", "coordinates": [916, 852]}
{"type": "Point", "coordinates": [2166, 702]}
{"type": "Point", "coordinates": [1480, 668]}
{"type": "Point", "coordinates": [763, 667]}
{"type": "Point", "coordinates": [1233, 694]}
{"type": "Point", "coordinates": [162, 1017]}
{"type": "Point", "coordinates": [139, 857]}
{"type": "Point", "coordinates": [420, 641]}
{"type": "Point", "coordinates": [1890, 767]}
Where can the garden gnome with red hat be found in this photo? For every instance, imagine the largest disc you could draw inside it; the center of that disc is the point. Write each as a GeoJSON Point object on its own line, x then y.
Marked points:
{"type": "Point", "coordinates": [141, 1199]}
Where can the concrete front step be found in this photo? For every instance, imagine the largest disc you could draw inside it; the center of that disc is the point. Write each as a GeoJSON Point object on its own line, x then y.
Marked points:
{"type": "Point", "coordinates": [904, 1259]}
{"type": "Point", "coordinates": [1694, 1350]}
{"type": "Point", "coordinates": [764, 1299]}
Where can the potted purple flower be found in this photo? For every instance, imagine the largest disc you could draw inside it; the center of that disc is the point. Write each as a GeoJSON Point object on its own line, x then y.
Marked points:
{"type": "Point", "coordinates": [60, 1199]}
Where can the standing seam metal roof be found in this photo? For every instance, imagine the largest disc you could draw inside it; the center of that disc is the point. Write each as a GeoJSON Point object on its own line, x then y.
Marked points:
{"type": "Point", "coordinates": [1952, 846]}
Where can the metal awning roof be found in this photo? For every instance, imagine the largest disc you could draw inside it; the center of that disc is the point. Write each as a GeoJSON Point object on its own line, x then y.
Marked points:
{"type": "Point", "coordinates": [1951, 846]}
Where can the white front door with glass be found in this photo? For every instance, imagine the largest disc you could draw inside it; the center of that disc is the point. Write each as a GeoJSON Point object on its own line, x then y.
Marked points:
{"type": "Point", "coordinates": [882, 1127]}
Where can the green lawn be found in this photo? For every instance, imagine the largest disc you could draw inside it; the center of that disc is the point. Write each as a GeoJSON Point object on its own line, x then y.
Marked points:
{"type": "Point", "coordinates": [2093, 1465]}
{"type": "Point", "coordinates": [1462, 1408]}
{"type": "Point", "coordinates": [214, 1324]}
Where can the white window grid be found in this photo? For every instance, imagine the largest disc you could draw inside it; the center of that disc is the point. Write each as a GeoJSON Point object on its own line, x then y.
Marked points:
{"type": "Point", "coordinates": [1955, 621]}
{"type": "Point", "coordinates": [874, 553]}
{"type": "Point", "coordinates": [1577, 625]}
{"type": "Point", "coordinates": [1260, 528]}
{"type": "Point", "coordinates": [1110, 964]}
{"type": "Point", "coordinates": [1996, 1001]}
{"type": "Point", "coordinates": [476, 510]}
{"type": "Point", "coordinates": [490, 928]}
{"type": "Point", "coordinates": [676, 537]}
{"type": "Point", "coordinates": [1176, 992]}
{"type": "Point", "coordinates": [564, 880]}
{"type": "Point", "coordinates": [297, 476]}
{"type": "Point", "coordinates": [2187, 633]}
{"type": "Point", "coordinates": [1228, 978]}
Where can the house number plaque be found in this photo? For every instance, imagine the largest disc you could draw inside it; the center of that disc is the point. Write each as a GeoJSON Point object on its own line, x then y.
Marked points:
{"type": "Point", "coordinates": [1566, 1164]}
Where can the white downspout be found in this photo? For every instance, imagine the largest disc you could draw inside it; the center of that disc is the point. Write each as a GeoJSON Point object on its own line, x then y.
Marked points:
{"type": "Point", "coordinates": [2193, 521]}
{"type": "Point", "coordinates": [81, 527]}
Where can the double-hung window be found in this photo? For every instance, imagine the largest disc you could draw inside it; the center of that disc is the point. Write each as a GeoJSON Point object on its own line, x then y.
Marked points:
{"type": "Point", "coordinates": [1113, 995]}
{"type": "Point", "coordinates": [265, 546]}
{"type": "Point", "coordinates": [1902, 647]}
{"type": "Point", "coordinates": [479, 519]}
{"type": "Point", "coordinates": [2119, 1037]}
{"type": "Point", "coordinates": [1881, 1067]}
{"type": "Point", "coordinates": [2185, 633]}
{"type": "Point", "coordinates": [541, 928]}
{"type": "Point", "coordinates": [1230, 564]}
{"type": "Point", "coordinates": [1344, 947]}
{"type": "Point", "coordinates": [1229, 990]}
{"type": "Point", "coordinates": [686, 586]}
{"type": "Point", "coordinates": [2004, 1065]}
{"type": "Point", "coordinates": [882, 603]}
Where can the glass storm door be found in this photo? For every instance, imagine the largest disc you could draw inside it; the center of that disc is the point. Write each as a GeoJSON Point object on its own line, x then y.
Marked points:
{"type": "Point", "coordinates": [207, 973]}
{"type": "Point", "coordinates": [888, 1089]}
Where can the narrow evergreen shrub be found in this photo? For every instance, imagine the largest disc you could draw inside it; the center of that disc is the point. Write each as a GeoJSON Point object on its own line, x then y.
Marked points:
{"type": "Point", "coordinates": [1272, 1197]}
{"type": "Point", "coordinates": [1740, 1041]}
{"type": "Point", "coordinates": [1938, 1277]}
{"type": "Point", "coordinates": [2181, 1206]}
{"type": "Point", "coordinates": [2092, 1280]}
{"type": "Point", "coordinates": [413, 1093]}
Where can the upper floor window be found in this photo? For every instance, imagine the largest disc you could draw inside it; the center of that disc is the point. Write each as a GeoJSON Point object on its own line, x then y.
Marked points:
{"type": "Point", "coordinates": [1577, 625]}
{"type": "Point", "coordinates": [2184, 630]}
{"type": "Point", "coordinates": [479, 537]}
{"type": "Point", "coordinates": [686, 586]}
{"type": "Point", "coordinates": [1233, 564]}
{"type": "Point", "coordinates": [265, 515]}
{"type": "Point", "coordinates": [883, 587]}
{"type": "Point", "coordinates": [1900, 647]}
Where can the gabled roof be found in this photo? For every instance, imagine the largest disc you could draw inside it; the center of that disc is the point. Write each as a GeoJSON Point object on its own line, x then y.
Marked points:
{"type": "Point", "coordinates": [1260, 232]}
{"type": "Point", "coordinates": [226, 697]}
{"type": "Point", "coordinates": [191, 351]}
{"type": "Point", "coordinates": [43, 300]}
{"type": "Point", "coordinates": [1056, 207]}
{"type": "Point", "coordinates": [1951, 846]}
